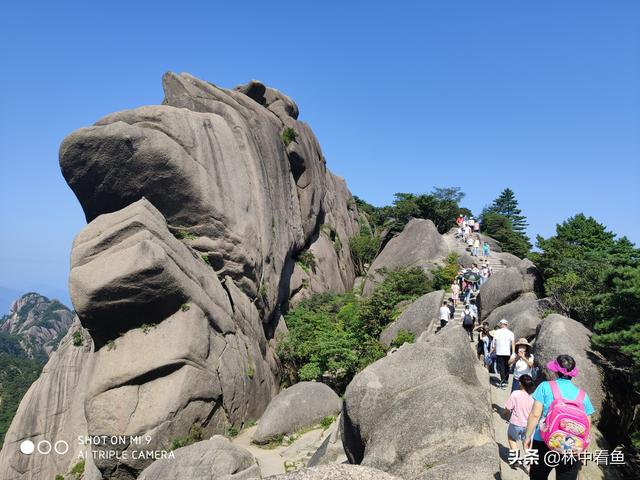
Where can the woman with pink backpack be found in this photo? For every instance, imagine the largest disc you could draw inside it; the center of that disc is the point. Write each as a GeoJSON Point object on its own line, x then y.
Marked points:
{"type": "Point", "coordinates": [565, 410]}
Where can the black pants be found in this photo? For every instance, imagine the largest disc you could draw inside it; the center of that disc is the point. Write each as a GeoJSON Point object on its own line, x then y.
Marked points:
{"type": "Point", "coordinates": [502, 363]}
{"type": "Point", "coordinates": [564, 471]}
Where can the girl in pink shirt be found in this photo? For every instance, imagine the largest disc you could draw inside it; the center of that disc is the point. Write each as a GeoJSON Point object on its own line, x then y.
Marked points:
{"type": "Point", "coordinates": [519, 406]}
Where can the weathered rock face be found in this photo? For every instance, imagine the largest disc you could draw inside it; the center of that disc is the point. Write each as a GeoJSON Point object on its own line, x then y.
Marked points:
{"type": "Point", "coordinates": [331, 450]}
{"type": "Point", "coordinates": [197, 210]}
{"type": "Point", "coordinates": [524, 315]}
{"type": "Point", "coordinates": [53, 410]}
{"type": "Point", "coordinates": [220, 173]}
{"type": "Point", "coordinates": [301, 405]}
{"type": "Point", "coordinates": [416, 318]}
{"type": "Point", "coordinates": [38, 323]}
{"type": "Point", "coordinates": [407, 424]}
{"type": "Point", "coordinates": [506, 285]}
{"type": "Point", "coordinates": [559, 335]}
{"type": "Point", "coordinates": [336, 472]}
{"type": "Point", "coordinates": [214, 459]}
{"type": "Point", "coordinates": [418, 245]}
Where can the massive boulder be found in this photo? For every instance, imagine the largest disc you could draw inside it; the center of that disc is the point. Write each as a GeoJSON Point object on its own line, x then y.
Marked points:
{"type": "Point", "coordinates": [213, 459]}
{"type": "Point", "coordinates": [418, 245]}
{"type": "Point", "coordinates": [331, 450]}
{"type": "Point", "coordinates": [559, 335]}
{"type": "Point", "coordinates": [418, 317]}
{"type": "Point", "coordinates": [197, 210]}
{"type": "Point", "coordinates": [524, 315]}
{"type": "Point", "coordinates": [506, 285]}
{"type": "Point", "coordinates": [214, 163]}
{"type": "Point", "coordinates": [301, 405]}
{"type": "Point", "coordinates": [421, 409]}
{"type": "Point", "coordinates": [52, 410]}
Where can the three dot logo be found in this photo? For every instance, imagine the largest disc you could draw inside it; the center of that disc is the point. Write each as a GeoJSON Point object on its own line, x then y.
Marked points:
{"type": "Point", "coordinates": [44, 447]}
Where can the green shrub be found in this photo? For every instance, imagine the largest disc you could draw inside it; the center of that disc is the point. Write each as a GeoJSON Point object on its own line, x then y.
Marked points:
{"type": "Point", "coordinates": [444, 276]}
{"type": "Point", "coordinates": [205, 259]}
{"type": "Point", "coordinates": [232, 431]}
{"type": "Point", "coordinates": [77, 338]}
{"type": "Point", "coordinates": [147, 326]}
{"type": "Point", "coordinates": [185, 307]}
{"type": "Point", "coordinates": [403, 336]}
{"type": "Point", "coordinates": [78, 468]}
{"type": "Point", "coordinates": [327, 421]}
{"type": "Point", "coordinates": [196, 434]}
{"type": "Point", "coordinates": [309, 371]}
{"type": "Point", "coordinates": [363, 250]}
{"type": "Point", "coordinates": [289, 135]}
{"type": "Point", "coordinates": [185, 235]}
{"type": "Point", "coordinates": [59, 477]}
{"type": "Point", "coordinates": [111, 345]}
{"type": "Point", "coordinates": [307, 260]}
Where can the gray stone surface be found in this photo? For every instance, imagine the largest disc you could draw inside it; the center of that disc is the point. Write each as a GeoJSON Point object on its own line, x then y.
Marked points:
{"type": "Point", "coordinates": [213, 459]}
{"type": "Point", "coordinates": [331, 450]}
{"type": "Point", "coordinates": [301, 405]}
{"type": "Point", "coordinates": [524, 315]}
{"type": "Point", "coordinates": [559, 335]}
{"type": "Point", "coordinates": [336, 472]}
{"type": "Point", "coordinates": [416, 318]}
{"type": "Point", "coordinates": [418, 245]}
{"type": "Point", "coordinates": [52, 408]}
{"type": "Point", "coordinates": [506, 285]}
{"type": "Point", "coordinates": [407, 424]}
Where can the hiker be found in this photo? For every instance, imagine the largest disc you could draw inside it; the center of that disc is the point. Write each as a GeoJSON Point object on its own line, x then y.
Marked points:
{"type": "Point", "coordinates": [476, 227]}
{"type": "Point", "coordinates": [467, 292]}
{"type": "Point", "coordinates": [521, 361]}
{"type": "Point", "coordinates": [561, 435]}
{"type": "Point", "coordinates": [475, 250]}
{"type": "Point", "coordinates": [484, 341]}
{"type": "Point", "coordinates": [486, 248]}
{"type": "Point", "coordinates": [459, 220]}
{"type": "Point", "coordinates": [444, 314]}
{"type": "Point", "coordinates": [455, 293]}
{"type": "Point", "coordinates": [503, 345]}
{"type": "Point", "coordinates": [467, 321]}
{"type": "Point", "coordinates": [452, 309]}
{"type": "Point", "coordinates": [474, 310]}
{"type": "Point", "coordinates": [517, 410]}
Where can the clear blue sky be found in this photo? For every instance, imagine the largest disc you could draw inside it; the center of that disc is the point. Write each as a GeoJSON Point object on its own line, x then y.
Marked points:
{"type": "Point", "coordinates": [542, 97]}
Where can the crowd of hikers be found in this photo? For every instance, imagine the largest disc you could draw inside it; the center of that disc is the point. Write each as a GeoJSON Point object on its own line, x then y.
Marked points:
{"type": "Point", "coordinates": [547, 414]}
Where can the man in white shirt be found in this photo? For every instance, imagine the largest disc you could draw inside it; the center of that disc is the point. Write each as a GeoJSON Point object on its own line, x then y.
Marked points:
{"type": "Point", "coordinates": [503, 345]}
{"type": "Point", "coordinates": [444, 314]}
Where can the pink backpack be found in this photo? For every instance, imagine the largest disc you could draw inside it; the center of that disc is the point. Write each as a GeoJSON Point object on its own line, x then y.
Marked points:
{"type": "Point", "coordinates": [566, 426]}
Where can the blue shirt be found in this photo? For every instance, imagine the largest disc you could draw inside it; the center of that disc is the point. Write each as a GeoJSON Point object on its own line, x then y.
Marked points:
{"type": "Point", "coordinates": [569, 391]}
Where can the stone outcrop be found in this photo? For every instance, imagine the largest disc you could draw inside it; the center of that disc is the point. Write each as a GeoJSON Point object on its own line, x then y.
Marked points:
{"type": "Point", "coordinates": [38, 323]}
{"type": "Point", "coordinates": [559, 335]}
{"type": "Point", "coordinates": [301, 405]}
{"type": "Point", "coordinates": [421, 409]}
{"type": "Point", "coordinates": [197, 210]}
{"type": "Point", "coordinates": [213, 459]}
{"type": "Point", "coordinates": [418, 245]}
{"type": "Point", "coordinates": [418, 317]}
{"type": "Point", "coordinates": [52, 410]}
{"type": "Point", "coordinates": [507, 285]}
{"type": "Point", "coordinates": [331, 450]}
{"type": "Point", "coordinates": [524, 315]}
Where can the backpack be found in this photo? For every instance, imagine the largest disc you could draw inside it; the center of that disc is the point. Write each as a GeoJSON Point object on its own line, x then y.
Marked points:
{"type": "Point", "coordinates": [566, 426]}
{"type": "Point", "coordinates": [467, 320]}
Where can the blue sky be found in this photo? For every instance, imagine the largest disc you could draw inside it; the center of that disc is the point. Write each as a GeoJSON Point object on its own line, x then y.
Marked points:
{"type": "Point", "coordinates": [542, 97]}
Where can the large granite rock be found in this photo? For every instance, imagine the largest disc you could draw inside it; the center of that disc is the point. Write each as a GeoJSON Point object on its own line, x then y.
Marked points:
{"type": "Point", "coordinates": [214, 459]}
{"type": "Point", "coordinates": [559, 335]}
{"type": "Point", "coordinates": [301, 405]}
{"type": "Point", "coordinates": [197, 210]}
{"type": "Point", "coordinates": [506, 285]}
{"type": "Point", "coordinates": [524, 315]}
{"type": "Point", "coordinates": [214, 162]}
{"type": "Point", "coordinates": [418, 317]}
{"type": "Point", "coordinates": [420, 408]}
{"type": "Point", "coordinates": [336, 472]}
{"type": "Point", "coordinates": [52, 409]}
{"type": "Point", "coordinates": [418, 245]}
{"type": "Point", "coordinates": [331, 450]}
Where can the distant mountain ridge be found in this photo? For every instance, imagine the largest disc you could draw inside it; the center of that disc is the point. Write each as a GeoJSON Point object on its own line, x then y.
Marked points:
{"type": "Point", "coordinates": [34, 323]}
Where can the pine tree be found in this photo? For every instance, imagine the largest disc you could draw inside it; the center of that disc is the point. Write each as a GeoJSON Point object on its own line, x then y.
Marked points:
{"type": "Point", "coordinates": [507, 205]}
